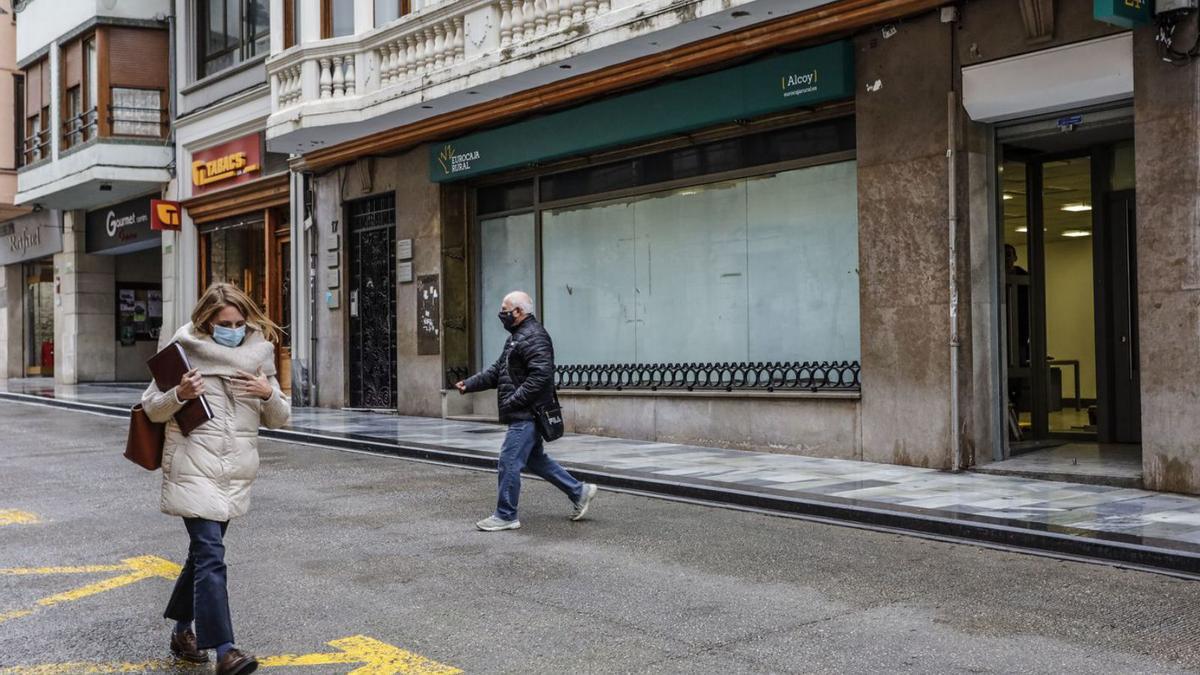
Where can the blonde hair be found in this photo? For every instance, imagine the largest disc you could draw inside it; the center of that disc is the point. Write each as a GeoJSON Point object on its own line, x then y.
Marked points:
{"type": "Point", "coordinates": [221, 295]}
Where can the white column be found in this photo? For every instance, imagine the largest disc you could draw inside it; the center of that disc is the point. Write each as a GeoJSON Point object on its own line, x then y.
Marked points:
{"type": "Point", "coordinates": [310, 20]}
{"type": "Point", "coordinates": [364, 15]}
{"type": "Point", "coordinates": [277, 25]}
{"type": "Point", "coordinates": [12, 320]}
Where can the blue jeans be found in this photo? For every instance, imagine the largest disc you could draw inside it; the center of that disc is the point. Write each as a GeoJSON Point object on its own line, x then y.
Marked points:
{"type": "Point", "coordinates": [523, 449]}
{"type": "Point", "coordinates": [200, 593]}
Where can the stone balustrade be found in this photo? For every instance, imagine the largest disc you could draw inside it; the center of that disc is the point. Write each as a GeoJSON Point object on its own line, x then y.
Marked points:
{"type": "Point", "coordinates": [408, 52]}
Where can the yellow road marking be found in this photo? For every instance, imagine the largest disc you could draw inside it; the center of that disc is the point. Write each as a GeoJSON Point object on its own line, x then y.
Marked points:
{"type": "Point", "coordinates": [83, 569]}
{"type": "Point", "coordinates": [15, 517]}
{"type": "Point", "coordinates": [137, 569]}
{"type": "Point", "coordinates": [375, 657]}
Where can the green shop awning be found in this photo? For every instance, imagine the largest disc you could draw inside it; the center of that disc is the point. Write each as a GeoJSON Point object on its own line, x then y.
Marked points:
{"type": "Point", "coordinates": [793, 80]}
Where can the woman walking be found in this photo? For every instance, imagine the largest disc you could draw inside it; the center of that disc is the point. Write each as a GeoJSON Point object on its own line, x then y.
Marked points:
{"type": "Point", "coordinates": [207, 475]}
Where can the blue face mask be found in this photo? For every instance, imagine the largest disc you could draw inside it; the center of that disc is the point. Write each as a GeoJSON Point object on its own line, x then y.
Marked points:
{"type": "Point", "coordinates": [230, 337]}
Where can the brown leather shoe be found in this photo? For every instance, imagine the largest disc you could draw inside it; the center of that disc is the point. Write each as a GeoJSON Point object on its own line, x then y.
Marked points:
{"type": "Point", "coordinates": [183, 646]}
{"type": "Point", "coordinates": [237, 663]}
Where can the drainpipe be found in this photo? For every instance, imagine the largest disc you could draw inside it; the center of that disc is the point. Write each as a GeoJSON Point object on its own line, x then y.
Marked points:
{"type": "Point", "coordinates": [172, 77]}
{"type": "Point", "coordinates": [952, 226]}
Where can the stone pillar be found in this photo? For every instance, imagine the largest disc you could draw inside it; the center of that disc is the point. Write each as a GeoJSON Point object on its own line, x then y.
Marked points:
{"type": "Point", "coordinates": [1167, 147]}
{"type": "Point", "coordinates": [12, 318]}
{"type": "Point", "coordinates": [85, 326]}
{"type": "Point", "coordinates": [901, 110]}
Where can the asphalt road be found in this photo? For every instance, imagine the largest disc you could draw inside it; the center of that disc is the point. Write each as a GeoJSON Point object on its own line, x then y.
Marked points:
{"type": "Point", "coordinates": [340, 545]}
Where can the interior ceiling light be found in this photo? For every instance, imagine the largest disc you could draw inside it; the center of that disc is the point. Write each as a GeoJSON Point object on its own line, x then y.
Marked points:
{"type": "Point", "coordinates": [1077, 208]}
{"type": "Point", "coordinates": [1073, 234]}
{"type": "Point", "coordinates": [1022, 230]}
{"type": "Point", "coordinates": [1007, 196]}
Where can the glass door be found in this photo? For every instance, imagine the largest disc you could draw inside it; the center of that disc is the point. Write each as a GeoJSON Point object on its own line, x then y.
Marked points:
{"type": "Point", "coordinates": [1049, 286]}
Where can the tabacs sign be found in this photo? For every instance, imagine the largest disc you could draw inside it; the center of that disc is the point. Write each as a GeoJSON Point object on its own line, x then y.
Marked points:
{"type": "Point", "coordinates": [802, 78]}
{"type": "Point", "coordinates": [227, 164]}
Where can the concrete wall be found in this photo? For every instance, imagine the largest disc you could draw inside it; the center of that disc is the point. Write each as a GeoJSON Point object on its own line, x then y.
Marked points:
{"type": "Point", "coordinates": [85, 323]}
{"type": "Point", "coordinates": [1167, 152]}
{"type": "Point", "coordinates": [816, 426]}
{"type": "Point", "coordinates": [903, 243]}
{"type": "Point", "coordinates": [43, 21]}
{"type": "Point", "coordinates": [419, 378]}
{"type": "Point", "coordinates": [331, 323]}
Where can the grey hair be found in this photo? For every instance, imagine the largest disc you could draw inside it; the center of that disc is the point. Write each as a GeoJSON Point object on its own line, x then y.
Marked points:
{"type": "Point", "coordinates": [520, 300]}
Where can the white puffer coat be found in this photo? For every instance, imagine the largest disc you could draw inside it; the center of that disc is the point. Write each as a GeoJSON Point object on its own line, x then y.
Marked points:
{"type": "Point", "coordinates": [208, 473]}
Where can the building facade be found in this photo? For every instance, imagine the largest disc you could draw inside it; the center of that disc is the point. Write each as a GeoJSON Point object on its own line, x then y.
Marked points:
{"type": "Point", "coordinates": [895, 231]}
{"type": "Point", "coordinates": [93, 124]}
{"type": "Point", "coordinates": [235, 195]}
{"type": "Point", "coordinates": [890, 231]}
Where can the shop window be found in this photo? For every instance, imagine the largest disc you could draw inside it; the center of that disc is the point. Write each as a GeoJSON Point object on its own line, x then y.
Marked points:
{"type": "Point", "coordinates": [230, 32]}
{"type": "Point", "coordinates": [137, 112]}
{"type": "Point", "coordinates": [756, 269]}
{"type": "Point", "coordinates": [390, 10]}
{"type": "Point", "coordinates": [507, 248]}
{"type": "Point", "coordinates": [234, 252]}
{"type": "Point", "coordinates": [139, 312]}
{"type": "Point", "coordinates": [38, 320]}
{"type": "Point", "coordinates": [337, 18]}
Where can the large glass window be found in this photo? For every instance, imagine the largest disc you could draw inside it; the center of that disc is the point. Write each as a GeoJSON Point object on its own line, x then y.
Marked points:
{"type": "Point", "coordinates": [234, 252]}
{"type": "Point", "coordinates": [231, 31]}
{"type": "Point", "coordinates": [137, 112]}
{"type": "Point", "coordinates": [755, 269]}
{"type": "Point", "coordinates": [507, 247]}
{"type": "Point", "coordinates": [645, 260]}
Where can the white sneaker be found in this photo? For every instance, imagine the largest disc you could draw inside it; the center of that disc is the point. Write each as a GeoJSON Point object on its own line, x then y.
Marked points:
{"type": "Point", "coordinates": [581, 506]}
{"type": "Point", "coordinates": [494, 524]}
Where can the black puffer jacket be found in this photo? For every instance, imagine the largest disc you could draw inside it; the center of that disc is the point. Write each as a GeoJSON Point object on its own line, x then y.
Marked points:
{"type": "Point", "coordinates": [523, 376]}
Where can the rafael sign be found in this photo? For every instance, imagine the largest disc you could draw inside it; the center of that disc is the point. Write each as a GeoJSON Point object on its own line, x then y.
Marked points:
{"type": "Point", "coordinates": [228, 164]}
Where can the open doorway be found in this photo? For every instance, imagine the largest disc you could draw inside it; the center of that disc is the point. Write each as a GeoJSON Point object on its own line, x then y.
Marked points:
{"type": "Point", "coordinates": [1069, 317]}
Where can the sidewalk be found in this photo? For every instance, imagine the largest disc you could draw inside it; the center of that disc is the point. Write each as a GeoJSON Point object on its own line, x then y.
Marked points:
{"type": "Point", "coordinates": [1120, 524]}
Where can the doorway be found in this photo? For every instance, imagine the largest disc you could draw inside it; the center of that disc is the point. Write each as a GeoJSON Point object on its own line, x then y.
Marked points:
{"type": "Point", "coordinates": [372, 285]}
{"type": "Point", "coordinates": [1069, 297]}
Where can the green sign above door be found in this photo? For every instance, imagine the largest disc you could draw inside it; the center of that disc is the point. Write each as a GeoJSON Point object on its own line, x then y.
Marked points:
{"type": "Point", "coordinates": [1124, 13]}
{"type": "Point", "coordinates": [802, 78]}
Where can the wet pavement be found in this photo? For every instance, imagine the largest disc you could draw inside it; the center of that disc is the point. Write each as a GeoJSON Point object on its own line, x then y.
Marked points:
{"type": "Point", "coordinates": [348, 560]}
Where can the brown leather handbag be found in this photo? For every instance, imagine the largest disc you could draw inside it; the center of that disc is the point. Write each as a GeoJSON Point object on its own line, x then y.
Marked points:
{"type": "Point", "coordinates": [144, 446]}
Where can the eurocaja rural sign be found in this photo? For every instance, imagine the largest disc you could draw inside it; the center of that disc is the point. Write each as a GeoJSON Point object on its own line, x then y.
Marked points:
{"type": "Point", "coordinates": [802, 78]}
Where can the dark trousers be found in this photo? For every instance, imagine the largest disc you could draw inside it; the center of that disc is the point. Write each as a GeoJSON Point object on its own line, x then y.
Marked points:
{"type": "Point", "coordinates": [200, 593]}
{"type": "Point", "coordinates": [523, 449]}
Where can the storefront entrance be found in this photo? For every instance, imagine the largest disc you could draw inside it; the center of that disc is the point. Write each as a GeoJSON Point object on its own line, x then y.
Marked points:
{"type": "Point", "coordinates": [372, 286]}
{"type": "Point", "coordinates": [1068, 280]}
{"type": "Point", "coordinates": [38, 319]}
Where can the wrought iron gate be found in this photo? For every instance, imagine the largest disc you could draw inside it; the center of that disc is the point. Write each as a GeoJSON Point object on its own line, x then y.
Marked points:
{"type": "Point", "coordinates": [372, 232]}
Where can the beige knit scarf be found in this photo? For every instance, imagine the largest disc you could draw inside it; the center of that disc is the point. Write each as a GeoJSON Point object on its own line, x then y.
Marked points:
{"type": "Point", "coordinates": [210, 358]}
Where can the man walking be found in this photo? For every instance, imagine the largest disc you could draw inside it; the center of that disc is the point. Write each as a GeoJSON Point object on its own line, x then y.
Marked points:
{"type": "Point", "coordinates": [523, 378]}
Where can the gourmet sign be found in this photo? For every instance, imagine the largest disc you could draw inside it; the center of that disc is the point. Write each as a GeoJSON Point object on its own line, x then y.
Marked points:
{"type": "Point", "coordinates": [121, 228]}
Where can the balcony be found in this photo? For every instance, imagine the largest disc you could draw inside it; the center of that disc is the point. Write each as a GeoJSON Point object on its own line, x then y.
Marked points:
{"type": "Point", "coordinates": [100, 159]}
{"type": "Point", "coordinates": [459, 53]}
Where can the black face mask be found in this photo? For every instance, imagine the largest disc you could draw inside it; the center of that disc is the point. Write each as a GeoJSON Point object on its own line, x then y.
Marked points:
{"type": "Point", "coordinates": [509, 321]}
